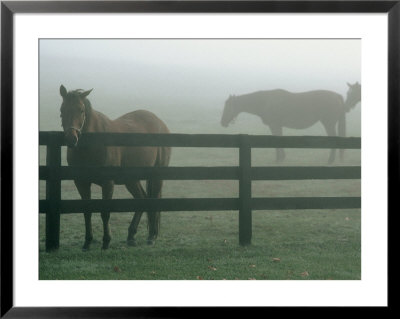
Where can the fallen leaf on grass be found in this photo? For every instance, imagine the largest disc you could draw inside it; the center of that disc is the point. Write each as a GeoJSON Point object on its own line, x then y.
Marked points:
{"type": "Point", "coordinates": [199, 278]}
{"type": "Point", "coordinates": [117, 269]}
{"type": "Point", "coordinates": [252, 279]}
{"type": "Point", "coordinates": [252, 266]}
{"type": "Point", "coordinates": [212, 268]}
{"type": "Point", "coordinates": [347, 219]}
{"type": "Point", "coordinates": [304, 274]}
{"type": "Point", "coordinates": [276, 259]}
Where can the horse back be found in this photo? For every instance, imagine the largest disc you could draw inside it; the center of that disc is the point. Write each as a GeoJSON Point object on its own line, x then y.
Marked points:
{"type": "Point", "coordinates": [299, 110]}
{"type": "Point", "coordinates": [142, 121]}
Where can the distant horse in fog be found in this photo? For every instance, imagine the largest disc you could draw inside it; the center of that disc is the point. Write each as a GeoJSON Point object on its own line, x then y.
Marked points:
{"type": "Point", "coordinates": [280, 108]}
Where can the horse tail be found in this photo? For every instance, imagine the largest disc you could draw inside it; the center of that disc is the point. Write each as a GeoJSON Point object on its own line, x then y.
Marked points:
{"type": "Point", "coordinates": [342, 131]}
{"type": "Point", "coordinates": [154, 186]}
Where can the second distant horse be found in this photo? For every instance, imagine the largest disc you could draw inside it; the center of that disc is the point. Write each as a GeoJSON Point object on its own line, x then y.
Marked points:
{"type": "Point", "coordinates": [280, 108]}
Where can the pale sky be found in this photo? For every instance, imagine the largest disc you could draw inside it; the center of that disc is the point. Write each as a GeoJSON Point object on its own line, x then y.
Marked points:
{"type": "Point", "coordinates": [190, 75]}
{"type": "Point", "coordinates": [200, 67]}
{"type": "Point", "coordinates": [332, 57]}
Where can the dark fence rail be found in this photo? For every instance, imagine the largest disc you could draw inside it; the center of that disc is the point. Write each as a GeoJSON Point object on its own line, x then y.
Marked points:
{"type": "Point", "coordinates": [203, 204]}
{"type": "Point", "coordinates": [204, 140]}
{"type": "Point", "coordinates": [54, 173]}
{"type": "Point", "coordinates": [205, 173]}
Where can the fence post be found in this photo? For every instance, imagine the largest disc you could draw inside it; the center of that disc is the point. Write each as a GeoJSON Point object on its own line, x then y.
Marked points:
{"type": "Point", "coordinates": [53, 194]}
{"type": "Point", "coordinates": [245, 218]}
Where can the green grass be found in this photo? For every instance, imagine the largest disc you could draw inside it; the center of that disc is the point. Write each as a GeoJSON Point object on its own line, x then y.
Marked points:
{"type": "Point", "coordinates": [292, 245]}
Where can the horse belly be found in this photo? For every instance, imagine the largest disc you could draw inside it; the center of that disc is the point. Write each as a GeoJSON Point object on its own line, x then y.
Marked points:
{"type": "Point", "coordinates": [88, 156]}
{"type": "Point", "coordinates": [300, 123]}
{"type": "Point", "coordinates": [138, 156]}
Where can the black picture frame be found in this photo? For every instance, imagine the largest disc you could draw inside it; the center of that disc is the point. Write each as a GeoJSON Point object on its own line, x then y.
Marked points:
{"type": "Point", "coordinates": [9, 8]}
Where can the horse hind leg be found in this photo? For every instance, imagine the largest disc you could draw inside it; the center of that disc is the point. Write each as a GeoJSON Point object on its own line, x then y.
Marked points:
{"type": "Point", "coordinates": [332, 156]}
{"type": "Point", "coordinates": [153, 191]}
{"type": "Point", "coordinates": [154, 188]}
{"type": "Point", "coordinates": [342, 133]}
{"type": "Point", "coordinates": [137, 191]}
{"type": "Point", "coordinates": [107, 192]}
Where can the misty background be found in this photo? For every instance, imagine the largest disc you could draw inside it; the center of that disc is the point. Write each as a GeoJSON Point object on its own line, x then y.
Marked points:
{"type": "Point", "coordinates": [187, 81]}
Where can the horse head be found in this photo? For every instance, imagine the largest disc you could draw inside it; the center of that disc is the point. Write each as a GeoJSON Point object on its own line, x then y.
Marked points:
{"type": "Point", "coordinates": [229, 113]}
{"type": "Point", "coordinates": [353, 95]}
{"type": "Point", "coordinates": [73, 114]}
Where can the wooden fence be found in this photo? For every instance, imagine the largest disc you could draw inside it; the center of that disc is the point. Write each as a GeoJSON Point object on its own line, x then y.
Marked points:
{"type": "Point", "coordinates": [54, 173]}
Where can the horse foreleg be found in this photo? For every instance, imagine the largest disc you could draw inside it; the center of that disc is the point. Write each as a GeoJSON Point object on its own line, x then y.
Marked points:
{"type": "Point", "coordinates": [331, 131]}
{"type": "Point", "coordinates": [137, 191]}
{"type": "Point", "coordinates": [280, 152]}
{"type": "Point", "coordinates": [107, 192]}
{"type": "Point", "coordinates": [84, 192]}
{"type": "Point", "coordinates": [332, 156]}
{"type": "Point", "coordinates": [88, 230]}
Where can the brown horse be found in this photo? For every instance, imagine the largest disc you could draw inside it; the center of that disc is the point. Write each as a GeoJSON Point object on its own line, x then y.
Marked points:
{"type": "Point", "coordinates": [280, 108]}
{"type": "Point", "coordinates": [78, 117]}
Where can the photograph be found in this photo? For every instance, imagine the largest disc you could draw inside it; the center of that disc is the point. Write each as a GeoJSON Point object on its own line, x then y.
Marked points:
{"type": "Point", "coordinates": [302, 88]}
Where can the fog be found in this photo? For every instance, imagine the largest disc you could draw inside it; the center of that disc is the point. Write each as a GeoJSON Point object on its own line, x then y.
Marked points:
{"type": "Point", "coordinates": [186, 82]}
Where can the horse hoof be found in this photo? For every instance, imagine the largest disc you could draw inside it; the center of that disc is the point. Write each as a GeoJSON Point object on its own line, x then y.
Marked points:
{"type": "Point", "coordinates": [86, 246]}
{"type": "Point", "coordinates": [106, 244]}
{"type": "Point", "coordinates": [131, 242]}
{"type": "Point", "coordinates": [150, 242]}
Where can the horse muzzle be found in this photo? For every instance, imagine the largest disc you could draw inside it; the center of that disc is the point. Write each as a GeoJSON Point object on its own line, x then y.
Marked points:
{"type": "Point", "coordinates": [72, 137]}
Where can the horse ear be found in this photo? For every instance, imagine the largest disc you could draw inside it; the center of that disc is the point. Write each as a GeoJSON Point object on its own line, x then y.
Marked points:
{"type": "Point", "coordinates": [85, 94]}
{"type": "Point", "coordinates": [63, 91]}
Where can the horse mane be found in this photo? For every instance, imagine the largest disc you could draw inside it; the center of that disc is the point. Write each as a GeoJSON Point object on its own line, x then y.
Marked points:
{"type": "Point", "coordinates": [88, 106]}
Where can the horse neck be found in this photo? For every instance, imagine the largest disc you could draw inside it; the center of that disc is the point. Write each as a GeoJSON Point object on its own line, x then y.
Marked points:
{"type": "Point", "coordinates": [95, 121]}
{"type": "Point", "coordinates": [244, 103]}
{"type": "Point", "coordinates": [349, 106]}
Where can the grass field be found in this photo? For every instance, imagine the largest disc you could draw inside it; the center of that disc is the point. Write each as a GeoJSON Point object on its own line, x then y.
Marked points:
{"type": "Point", "coordinates": [286, 245]}
{"type": "Point", "coordinates": [192, 246]}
